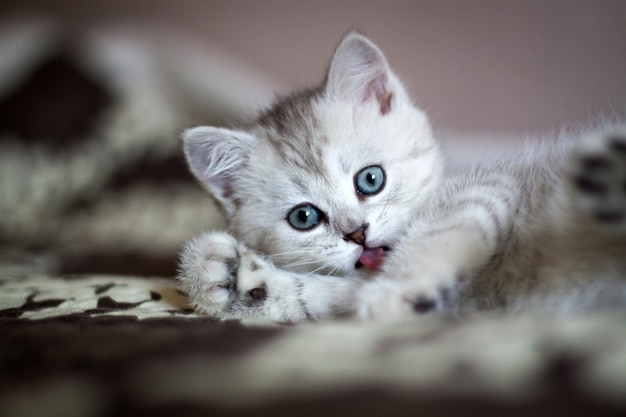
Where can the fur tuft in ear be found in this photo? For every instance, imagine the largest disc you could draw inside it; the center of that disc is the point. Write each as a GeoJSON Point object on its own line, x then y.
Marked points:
{"type": "Point", "coordinates": [359, 72]}
{"type": "Point", "coordinates": [215, 156]}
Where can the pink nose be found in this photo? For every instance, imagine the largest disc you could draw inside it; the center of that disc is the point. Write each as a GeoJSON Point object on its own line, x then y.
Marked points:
{"type": "Point", "coordinates": [358, 236]}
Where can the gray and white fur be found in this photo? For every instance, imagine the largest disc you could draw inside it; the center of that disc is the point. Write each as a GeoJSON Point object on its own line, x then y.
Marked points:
{"type": "Point", "coordinates": [337, 205]}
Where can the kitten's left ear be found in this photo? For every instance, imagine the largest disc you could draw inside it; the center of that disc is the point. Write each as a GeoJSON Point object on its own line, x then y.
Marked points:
{"type": "Point", "coordinates": [359, 72]}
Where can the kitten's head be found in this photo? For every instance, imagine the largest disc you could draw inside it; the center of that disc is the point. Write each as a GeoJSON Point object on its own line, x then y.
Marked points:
{"type": "Point", "coordinates": [327, 179]}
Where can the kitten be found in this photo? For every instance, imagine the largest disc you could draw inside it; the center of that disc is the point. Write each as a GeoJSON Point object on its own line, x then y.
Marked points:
{"type": "Point", "coordinates": [337, 205]}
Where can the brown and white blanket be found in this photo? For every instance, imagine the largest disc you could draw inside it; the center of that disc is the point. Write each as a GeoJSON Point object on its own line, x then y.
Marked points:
{"type": "Point", "coordinates": [95, 202]}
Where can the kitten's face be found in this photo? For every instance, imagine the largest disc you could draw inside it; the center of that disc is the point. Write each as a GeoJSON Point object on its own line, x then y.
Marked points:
{"type": "Point", "coordinates": [325, 181]}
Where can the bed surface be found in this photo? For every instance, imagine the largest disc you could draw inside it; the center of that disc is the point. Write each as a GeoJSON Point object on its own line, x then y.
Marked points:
{"type": "Point", "coordinates": [125, 345]}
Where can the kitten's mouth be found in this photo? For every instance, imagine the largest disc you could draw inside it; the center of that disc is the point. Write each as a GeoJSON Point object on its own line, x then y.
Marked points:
{"type": "Point", "coordinates": [372, 258]}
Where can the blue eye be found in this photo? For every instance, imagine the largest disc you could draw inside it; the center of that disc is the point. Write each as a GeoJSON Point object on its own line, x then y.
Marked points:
{"type": "Point", "coordinates": [304, 217]}
{"type": "Point", "coordinates": [369, 180]}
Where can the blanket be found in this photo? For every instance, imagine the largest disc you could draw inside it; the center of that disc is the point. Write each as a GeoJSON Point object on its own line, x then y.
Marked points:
{"type": "Point", "coordinates": [96, 203]}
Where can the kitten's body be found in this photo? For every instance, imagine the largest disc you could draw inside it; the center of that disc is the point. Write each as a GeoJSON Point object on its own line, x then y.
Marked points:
{"type": "Point", "coordinates": [303, 186]}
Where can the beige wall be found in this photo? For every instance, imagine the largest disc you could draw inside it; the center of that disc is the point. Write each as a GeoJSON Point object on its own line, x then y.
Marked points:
{"type": "Point", "coordinates": [475, 65]}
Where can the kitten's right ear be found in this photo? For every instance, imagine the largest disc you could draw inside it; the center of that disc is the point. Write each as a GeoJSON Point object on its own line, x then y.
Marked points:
{"type": "Point", "coordinates": [215, 156]}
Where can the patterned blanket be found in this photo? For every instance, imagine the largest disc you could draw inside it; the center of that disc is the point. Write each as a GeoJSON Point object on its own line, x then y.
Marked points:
{"type": "Point", "coordinates": [96, 202]}
{"type": "Point", "coordinates": [98, 345]}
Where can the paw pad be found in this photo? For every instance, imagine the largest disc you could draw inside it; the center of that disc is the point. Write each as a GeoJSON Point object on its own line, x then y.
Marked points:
{"type": "Point", "coordinates": [590, 185]}
{"type": "Point", "coordinates": [258, 294]}
{"type": "Point", "coordinates": [423, 305]}
{"type": "Point", "coordinates": [600, 178]}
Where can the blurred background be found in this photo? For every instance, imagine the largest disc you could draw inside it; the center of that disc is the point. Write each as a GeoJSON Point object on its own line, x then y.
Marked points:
{"type": "Point", "coordinates": [93, 95]}
{"type": "Point", "coordinates": [479, 65]}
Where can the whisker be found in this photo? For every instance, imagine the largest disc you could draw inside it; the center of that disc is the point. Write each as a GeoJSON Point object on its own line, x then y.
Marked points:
{"type": "Point", "coordinates": [289, 253]}
{"type": "Point", "coordinates": [292, 265]}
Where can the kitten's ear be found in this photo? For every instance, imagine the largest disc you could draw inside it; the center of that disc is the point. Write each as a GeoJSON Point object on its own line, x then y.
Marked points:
{"type": "Point", "coordinates": [215, 156]}
{"type": "Point", "coordinates": [359, 72]}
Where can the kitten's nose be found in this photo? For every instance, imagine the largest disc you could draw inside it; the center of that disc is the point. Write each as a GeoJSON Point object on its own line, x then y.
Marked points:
{"type": "Point", "coordinates": [357, 236]}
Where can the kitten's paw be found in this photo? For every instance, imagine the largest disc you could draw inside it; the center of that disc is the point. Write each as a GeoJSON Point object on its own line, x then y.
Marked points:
{"type": "Point", "coordinates": [222, 277]}
{"type": "Point", "coordinates": [385, 299]}
{"type": "Point", "coordinates": [600, 177]}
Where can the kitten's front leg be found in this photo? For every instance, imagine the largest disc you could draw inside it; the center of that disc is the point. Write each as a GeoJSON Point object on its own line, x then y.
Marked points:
{"type": "Point", "coordinates": [427, 281]}
{"type": "Point", "coordinates": [225, 279]}
{"type": "Point", "coordinates": [442, 252]}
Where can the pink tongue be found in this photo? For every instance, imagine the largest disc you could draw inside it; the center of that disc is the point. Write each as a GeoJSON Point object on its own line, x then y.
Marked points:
{"type": "Point", "coordinates": [372, 258]}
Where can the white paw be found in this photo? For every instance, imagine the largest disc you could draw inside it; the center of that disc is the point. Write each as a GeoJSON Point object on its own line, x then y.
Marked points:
{"type": "Point", "coordinates": [388, 299]}
{"type": "Point", "coordinates": [222, 277]}
{"type": "Point", "coordinates": [599, 177]}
